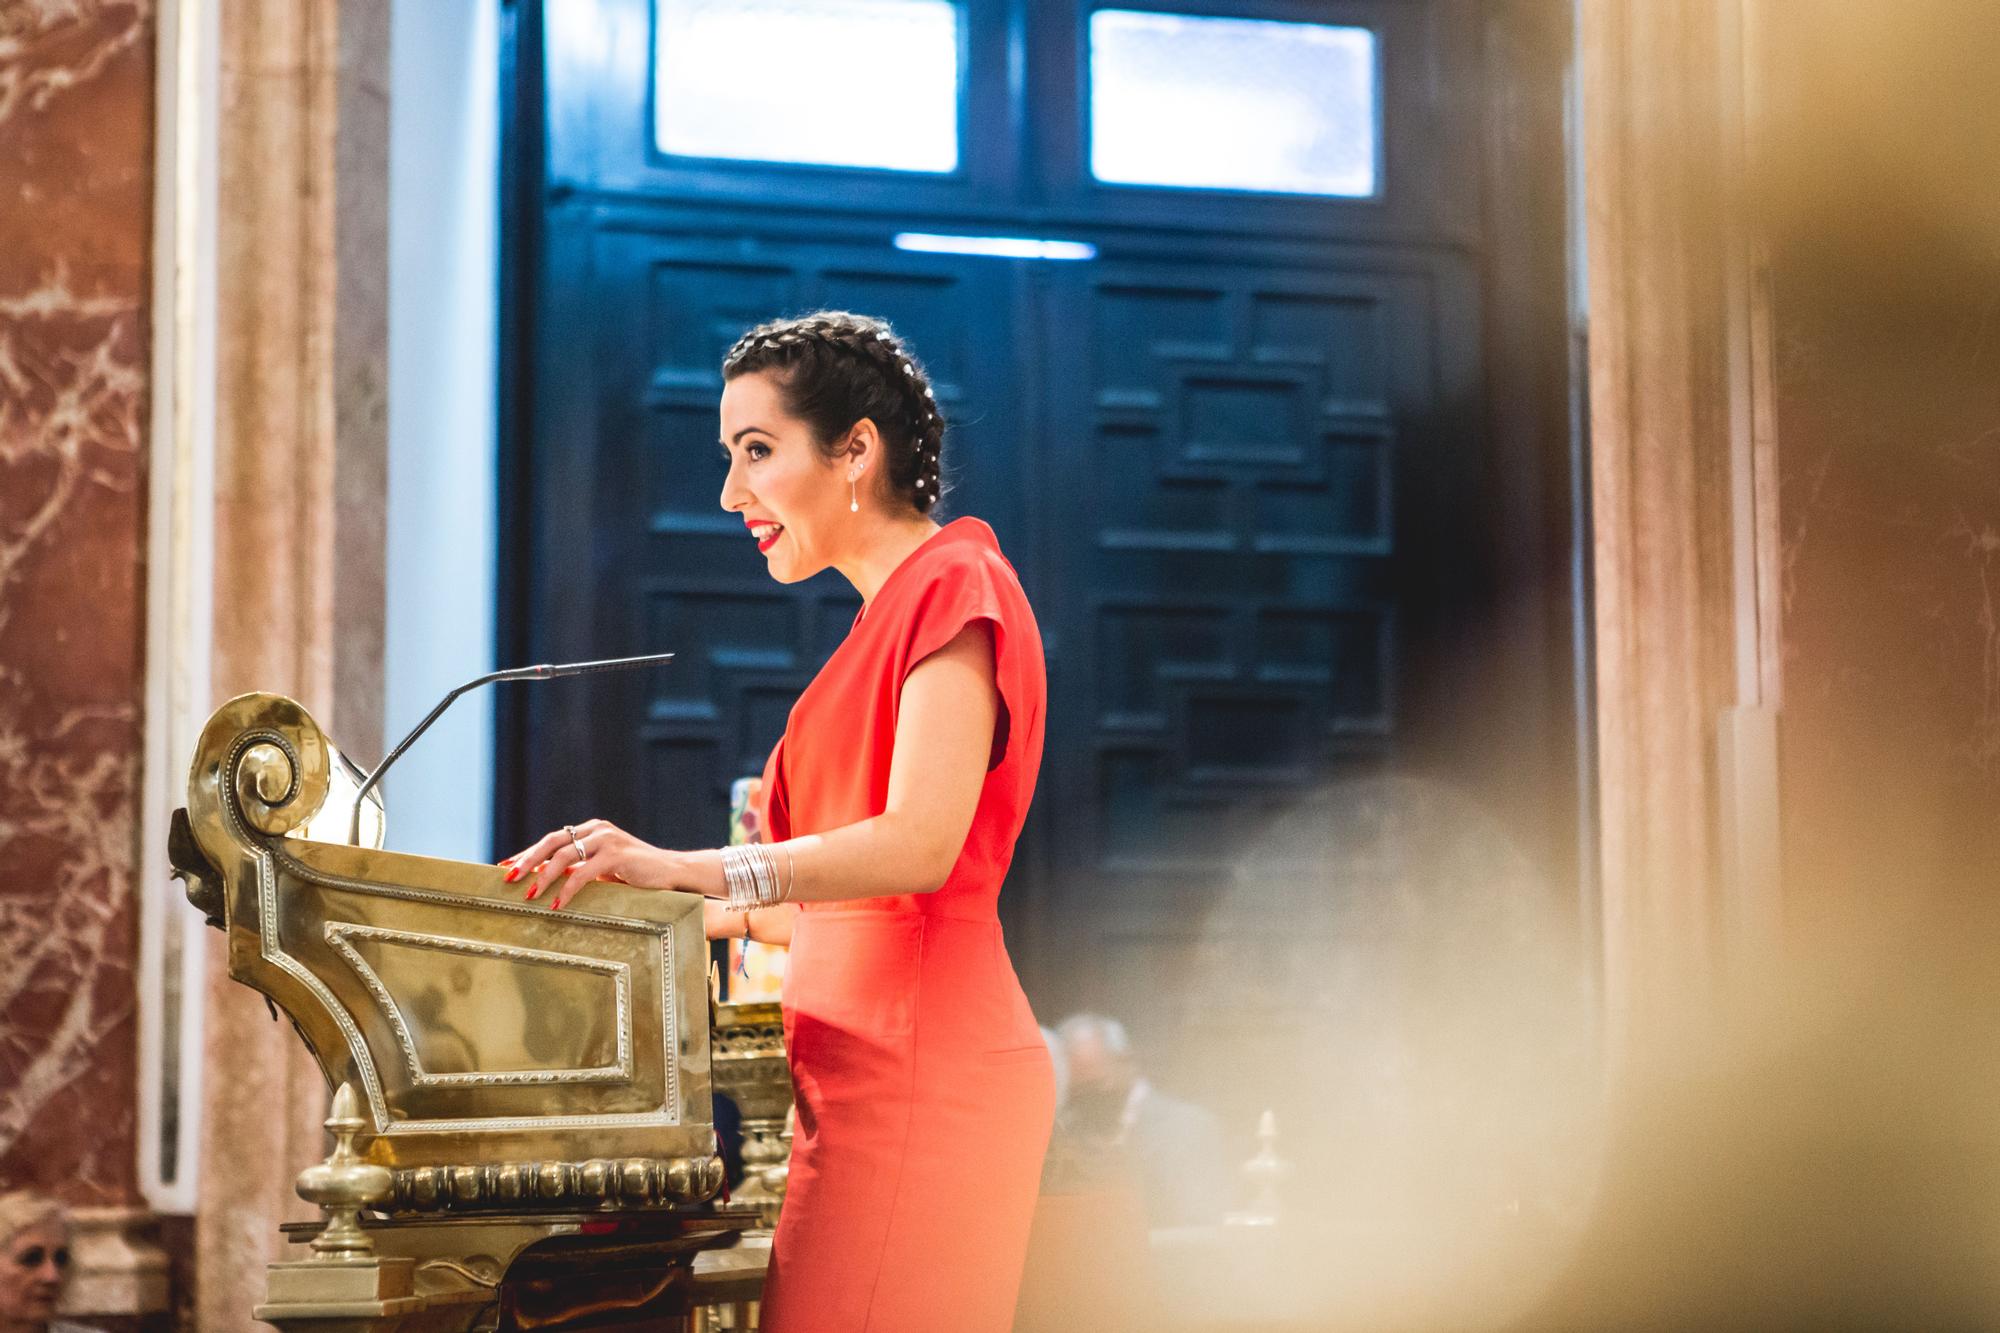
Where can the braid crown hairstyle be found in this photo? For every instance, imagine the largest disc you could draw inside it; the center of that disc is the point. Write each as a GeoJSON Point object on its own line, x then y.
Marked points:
{"type": "Point", "coordinates": [833, 368]}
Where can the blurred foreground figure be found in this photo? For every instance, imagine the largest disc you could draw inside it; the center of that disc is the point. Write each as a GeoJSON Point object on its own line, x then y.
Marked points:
{"type": "Point", "coordinates": [34, 1263]}
{"type": "Point", "coordinates": [1809, 1139]}
{"type": "Point", "coordinates": [1175, 1148]}
{"type": "Point", "coordinates": [1817, 1149]}
{"type": "Point", "coordinates": [1421, 1032]}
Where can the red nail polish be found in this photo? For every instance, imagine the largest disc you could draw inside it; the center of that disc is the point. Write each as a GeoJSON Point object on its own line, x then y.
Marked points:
{"type": "Point", "coordinates": [511, 876]}
{"type": "Point", "coordinates": [533, 894]}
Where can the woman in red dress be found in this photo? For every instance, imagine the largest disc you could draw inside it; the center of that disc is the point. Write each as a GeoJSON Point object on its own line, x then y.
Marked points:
{"type": "Point", "coordinates": [924, 1092]}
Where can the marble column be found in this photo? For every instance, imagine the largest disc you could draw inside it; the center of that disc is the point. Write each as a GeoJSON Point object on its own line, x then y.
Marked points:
{"type": "Point", "coordinates": [300, 468]}
{"type": "Point", "coordinates": [76, 156]}
{"type": "Point", "coordinates": [1662, 130]}
{"type": "Point", "coordinates": [1822, 1151]}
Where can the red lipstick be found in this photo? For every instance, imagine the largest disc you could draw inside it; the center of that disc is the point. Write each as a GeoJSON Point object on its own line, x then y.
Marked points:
{"type": "Point", "coordinates": [777, 531]}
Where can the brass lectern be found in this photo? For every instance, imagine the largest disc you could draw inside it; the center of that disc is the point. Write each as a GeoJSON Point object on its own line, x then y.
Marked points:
{"type": "Point", "coordinates": [523, 1115]}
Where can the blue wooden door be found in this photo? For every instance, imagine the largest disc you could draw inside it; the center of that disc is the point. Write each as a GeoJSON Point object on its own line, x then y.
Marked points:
{"type": "Point", "coordinates": [1244, 458]}
{"type": "Point", "coordinates": [1251, 453]}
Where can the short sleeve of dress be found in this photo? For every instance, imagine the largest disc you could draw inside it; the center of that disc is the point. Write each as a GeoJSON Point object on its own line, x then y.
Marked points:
{"type": "Point", "coordinates": [974, 587]}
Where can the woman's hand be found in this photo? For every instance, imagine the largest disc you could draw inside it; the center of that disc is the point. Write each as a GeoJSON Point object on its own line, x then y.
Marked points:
{"type": "Point", "coordinates": [595, 849]}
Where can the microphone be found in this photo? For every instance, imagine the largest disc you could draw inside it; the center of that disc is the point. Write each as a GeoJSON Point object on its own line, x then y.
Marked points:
{"type": "Point", "coordinates": [546, 671]}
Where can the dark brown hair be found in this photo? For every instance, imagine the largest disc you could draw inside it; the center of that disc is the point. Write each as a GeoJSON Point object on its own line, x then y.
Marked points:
{"type": "Point", "coordinates": [832, 369]}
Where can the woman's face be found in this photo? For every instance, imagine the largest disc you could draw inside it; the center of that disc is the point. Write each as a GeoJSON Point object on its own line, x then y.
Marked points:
{"type": "Point", "coordinates": [32, 1273]}
{"type": "Point", "coordinates": [793, 498]}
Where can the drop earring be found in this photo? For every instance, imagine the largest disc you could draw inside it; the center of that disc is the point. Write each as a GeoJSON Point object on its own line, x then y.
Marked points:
{"type": "Point", "coordinates": [853, 495]}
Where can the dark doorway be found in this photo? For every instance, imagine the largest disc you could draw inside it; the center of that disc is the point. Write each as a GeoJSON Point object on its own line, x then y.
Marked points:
{"type": "Point", "coordinates": [1287, 473]}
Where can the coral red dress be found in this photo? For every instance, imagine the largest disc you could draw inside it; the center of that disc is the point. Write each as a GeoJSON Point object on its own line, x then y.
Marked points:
{"type": "Point", "coordinates": [924, 1092]}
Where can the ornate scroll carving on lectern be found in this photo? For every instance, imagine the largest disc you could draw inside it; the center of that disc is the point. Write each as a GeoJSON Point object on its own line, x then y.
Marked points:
{"type": "Point", "coordinates": [526, 1107]}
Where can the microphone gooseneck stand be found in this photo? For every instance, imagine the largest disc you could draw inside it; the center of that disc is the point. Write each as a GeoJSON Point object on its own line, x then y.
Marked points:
{"type": "Point", "coordinates": [546, 671]}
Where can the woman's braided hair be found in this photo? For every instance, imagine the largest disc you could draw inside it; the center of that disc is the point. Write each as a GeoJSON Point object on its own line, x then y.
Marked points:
{"type": "Point", "coordinates": [833, 368]}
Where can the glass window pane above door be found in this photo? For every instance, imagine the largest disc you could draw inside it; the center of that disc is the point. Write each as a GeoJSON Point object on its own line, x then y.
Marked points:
{"type": "Point", "coordinates": [1233, 104]}
{"type": "Point", "coordinates": [846, 83]}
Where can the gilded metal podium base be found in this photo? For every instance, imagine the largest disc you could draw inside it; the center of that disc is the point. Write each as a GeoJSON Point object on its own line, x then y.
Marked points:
{"type": "Point", "coordinates": [375, 1293]}
{"type": "Point", "coordinates": [524, 1125]}
{"type": "Point", "coordinates": [468, 1275]}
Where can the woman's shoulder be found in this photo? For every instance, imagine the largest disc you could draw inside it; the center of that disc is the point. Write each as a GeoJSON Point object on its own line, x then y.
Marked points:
{"type": "Point", "coordinates": [965, 547]}
{"type": "Point", "coordinates": [959, 576]}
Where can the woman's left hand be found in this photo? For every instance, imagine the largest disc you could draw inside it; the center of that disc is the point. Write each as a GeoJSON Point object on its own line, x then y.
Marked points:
{"type": "Point", "coordinates": [576, 854]}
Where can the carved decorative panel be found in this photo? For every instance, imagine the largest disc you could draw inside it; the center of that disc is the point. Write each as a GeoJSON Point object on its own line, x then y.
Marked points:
{"type": "Point", "coordinates": [1230, 551]}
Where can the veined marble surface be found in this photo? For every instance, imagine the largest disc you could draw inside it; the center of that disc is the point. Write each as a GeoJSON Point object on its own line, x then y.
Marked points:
{"type": "Point", "coordinates": [76, 154]}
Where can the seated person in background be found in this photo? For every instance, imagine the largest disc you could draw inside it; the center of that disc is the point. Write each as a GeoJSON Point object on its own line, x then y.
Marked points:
{"type": "Point", "coordinates": [1070, 1165]}
{"type": "Point", "coordinates": [1088, 1266]}
{"type": "Point", "coordinates": [34, 1263]}
{"type": "Point", "coordinates": [1176, 1148]}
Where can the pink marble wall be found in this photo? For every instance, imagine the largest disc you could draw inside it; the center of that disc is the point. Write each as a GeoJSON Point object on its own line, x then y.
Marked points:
{"type": "Point", "coordinates": [1883, 208]}
{"type": "Point", "coordinates": [76, 154]}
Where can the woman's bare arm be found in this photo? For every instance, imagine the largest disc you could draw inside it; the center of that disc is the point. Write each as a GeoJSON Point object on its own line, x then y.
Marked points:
{"type": "Point", "coordinates": [944, 738]}
{"type": "Point", "coordinates": [766, 925]}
